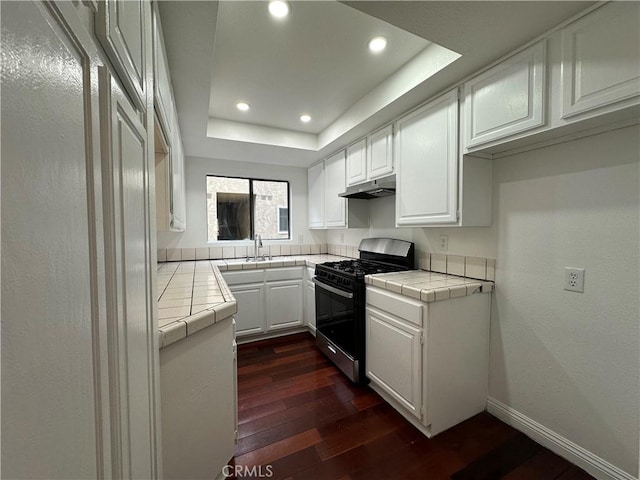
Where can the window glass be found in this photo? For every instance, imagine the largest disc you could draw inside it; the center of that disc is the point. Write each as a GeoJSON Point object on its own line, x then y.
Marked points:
{"type": "Point", "coordinates": [232, 215]}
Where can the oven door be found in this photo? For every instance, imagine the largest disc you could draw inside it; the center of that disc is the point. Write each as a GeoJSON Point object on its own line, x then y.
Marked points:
{"type": "Point", "coordinates": [336, 317]}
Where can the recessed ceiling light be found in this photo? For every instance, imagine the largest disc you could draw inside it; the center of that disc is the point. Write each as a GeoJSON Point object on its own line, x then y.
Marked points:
{"type": "Point", "coordinates": [279, 8]}
{"type": "Point", "coordinates": [305, 118]}
{"type": "Point", "coordinates": [377, 44]}
{"type": "Point", "coordinates": [242, 106]}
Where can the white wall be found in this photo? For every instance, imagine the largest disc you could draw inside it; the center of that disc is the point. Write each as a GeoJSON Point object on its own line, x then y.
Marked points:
{"type": "Point", "coordinates": [566, 360]}
{"type": "Point", "coordinates": [196, 171]}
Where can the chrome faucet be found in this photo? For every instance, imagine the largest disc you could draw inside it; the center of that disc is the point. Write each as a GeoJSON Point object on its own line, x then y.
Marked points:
{"type": "Point", "coordinates": [257, 245]}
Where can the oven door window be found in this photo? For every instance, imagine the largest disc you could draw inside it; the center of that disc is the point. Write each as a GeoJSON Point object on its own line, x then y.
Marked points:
{"type": "Point", "coordinates": [335, 319]}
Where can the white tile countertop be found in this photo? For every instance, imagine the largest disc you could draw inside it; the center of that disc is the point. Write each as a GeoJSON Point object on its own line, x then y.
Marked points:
{"type": "Point", "coordinates": [428, 286]}
{"type": "Point", "coordinates": [193, 295]}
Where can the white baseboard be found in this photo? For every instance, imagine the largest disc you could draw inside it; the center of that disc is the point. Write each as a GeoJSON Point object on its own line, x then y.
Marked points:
{"type": "Point", "coordinates": [593, 464]}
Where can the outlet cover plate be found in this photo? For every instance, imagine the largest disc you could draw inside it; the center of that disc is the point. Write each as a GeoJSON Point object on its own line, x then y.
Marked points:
{"type": "Point", "coordinates": [574, 279]}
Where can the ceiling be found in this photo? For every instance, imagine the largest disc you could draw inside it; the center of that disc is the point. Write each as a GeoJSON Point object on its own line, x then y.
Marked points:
{"type": "Point", "coordinates": [316, 61]}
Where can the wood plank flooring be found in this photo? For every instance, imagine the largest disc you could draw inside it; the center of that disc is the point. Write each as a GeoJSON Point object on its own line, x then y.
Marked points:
{"type": "Point", "coordinates": [301, 419]}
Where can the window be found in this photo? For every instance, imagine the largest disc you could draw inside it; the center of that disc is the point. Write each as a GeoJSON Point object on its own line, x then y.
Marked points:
{"type": "Point", "coordinates": [240, 208]}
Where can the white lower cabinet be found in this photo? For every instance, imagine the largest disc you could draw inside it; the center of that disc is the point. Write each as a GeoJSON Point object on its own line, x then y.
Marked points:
{"type": "Point", "coordinates": [430, 361]}
{"type": "Point", "coordinates": [310, 300]}
{"type": "Point", "coordinates": [284, 304]}
{"type": "Point", "coordinates": [250, 317]}
{"type": "Point", "coordinates": [395, 366]}
{"type": "Point", "coordinates": [268, 299]}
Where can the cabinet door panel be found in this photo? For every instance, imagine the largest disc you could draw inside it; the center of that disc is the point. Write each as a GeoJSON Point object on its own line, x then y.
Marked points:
{"type": "Point", "coordinates": [394, 358]}
{"type": "Point", "coordinates": [163, 97]}
{"type": "Point", "coordinates": [601, 59]}
{"type": "Point", "coordinates": [122, 26]}
{"type": "Point", "coordinates": [53, 319]}
{"type": "Point", "coordinates": [284, 305]}
{"type": "Point", "coordinates": [315, 198]}
{"type": "Point", "coordinates": [507, 99]}
{"type": "Point", "coordinates": [427, 153]}
{"type": "Point", "coordinates": [380, 153]}
{"type": "Point", "coordinates": [357, 163]}
{"type": "Point", "coordinates": [250, 317]}
{"type": "Point", "coordinates": [130, 296]}
{"type": "Point", "coordinates": [335, 206]}
{"type": "Point", "coordinates": [310, 305]}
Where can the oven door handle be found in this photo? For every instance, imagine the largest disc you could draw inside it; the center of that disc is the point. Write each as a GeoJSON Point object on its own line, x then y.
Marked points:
{"type": "Point", "coordinates": [335, 290]}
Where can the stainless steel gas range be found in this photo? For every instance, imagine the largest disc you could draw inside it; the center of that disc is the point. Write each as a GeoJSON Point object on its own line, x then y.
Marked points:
{"type": "Point", "coordinates": [340, 300]}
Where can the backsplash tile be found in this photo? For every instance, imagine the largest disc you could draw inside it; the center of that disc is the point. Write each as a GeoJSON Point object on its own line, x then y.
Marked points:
{"type": "Point", "coordinates": [455, 265]}
{"type": "Point", "coordinates": [174, 255]}
{"type": "Point", "coordinates": [438, 263]}
{"type": "Point", "coordinates": [472, 267]}
{"type": "Point", "coordinates": [242, 251]}
{"type": "Point", "coordinates": [424, 261]}
{"type": "Point", "coordinates": [188, 254]}
{"type": "Point", "coordinates": [491, 270]}
{"type": "Point", "coordinates": [215, 253]}
{"type": "Point", "coordinates": [475, 267]}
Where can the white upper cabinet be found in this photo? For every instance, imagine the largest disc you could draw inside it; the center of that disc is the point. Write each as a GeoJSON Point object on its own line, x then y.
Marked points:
{"type": "Point", "coordinates": [163, 96]}
{"type": "Point", "coordinates": [371, 157]}
{"type": "Point", "coordinates": [122, 30]}
{"type": "Point", "coordinates": [335, 206]}
{"type": "Point", "coordinates": [427, 158]}
{"type": "Point", "coordinates": [601, 59]}
{"type": "Point", "coordinates": [380, 153]}
{"type": "Point", "coordinates": [315, 181]}
{"type": "Point", "coordinates": [506, 99]}
{"type": "Point", "coordinates": [357, 163]}
{"type": "Point", "coordinates": [178, 186]}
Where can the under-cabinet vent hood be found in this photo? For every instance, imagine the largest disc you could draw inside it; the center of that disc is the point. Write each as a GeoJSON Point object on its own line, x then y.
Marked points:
{"type": "Point", "coordinates": [382, 187]}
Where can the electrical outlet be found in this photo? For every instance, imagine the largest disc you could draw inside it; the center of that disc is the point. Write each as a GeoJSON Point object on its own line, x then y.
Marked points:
{"type": "Point", "coordinates": [342, 238]}
{"type": "Point", "coordinates": [574, 279]}
{"type": "Point", "coordinates": [444, 242]}
{"type": "Point", "coordinates": [301, 239]}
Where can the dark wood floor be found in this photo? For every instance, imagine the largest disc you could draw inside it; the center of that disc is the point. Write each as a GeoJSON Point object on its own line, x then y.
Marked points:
{"type": "Point", "coordinates": [300, 418]}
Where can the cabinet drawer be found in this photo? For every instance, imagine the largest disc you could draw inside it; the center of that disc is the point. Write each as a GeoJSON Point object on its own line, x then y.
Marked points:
{"type": "Point", "coordinates": [293, 273]}
{"type": "Point", "coordinates": [403, 307]}
{"type": "Point", "coordinates": [250, 276]}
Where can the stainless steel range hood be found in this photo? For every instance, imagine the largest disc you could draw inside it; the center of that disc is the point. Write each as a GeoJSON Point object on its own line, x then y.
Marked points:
{"type": "Point", "coordinates": [382, 187]}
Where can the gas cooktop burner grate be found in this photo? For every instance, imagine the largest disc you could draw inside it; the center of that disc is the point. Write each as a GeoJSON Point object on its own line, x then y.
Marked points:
{"type": "Point", "coordinates": [360, 267]}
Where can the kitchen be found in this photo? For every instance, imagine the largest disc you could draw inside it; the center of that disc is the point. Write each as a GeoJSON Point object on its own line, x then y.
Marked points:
{"type": "Point", "coordinates": [556, 358]}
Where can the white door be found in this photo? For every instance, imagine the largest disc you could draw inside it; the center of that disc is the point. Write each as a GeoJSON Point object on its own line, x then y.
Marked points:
{"type": "Point", "coordinates": [357, 163]}
{"type": "Point", "coordinates": [427, 159]}
{"type": "Point", "coordinates": [130, 296]}
{"type": "Point", "coordinates": [335, 206]}
{"type": "Point", "coordinates": [284, 304]}
{"type": "Point", "coordinates": [394, 358]}
{"type": "Point", "coordinates": [315, 195]}
{"type": "Point", "coordinates": [380, 153]}
{"type": "Point", "coordinates": [506, 99]}
{"type": "Point", "coordinates": [79, 338]}
{"type": "Point", "coordinates": [250, 317]}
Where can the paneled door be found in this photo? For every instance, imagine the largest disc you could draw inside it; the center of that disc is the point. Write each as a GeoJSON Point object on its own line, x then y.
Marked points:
{"type": "Point", "coordinates": [55, 415]}
{"type": "Point", "coordinates": [130, 296]}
